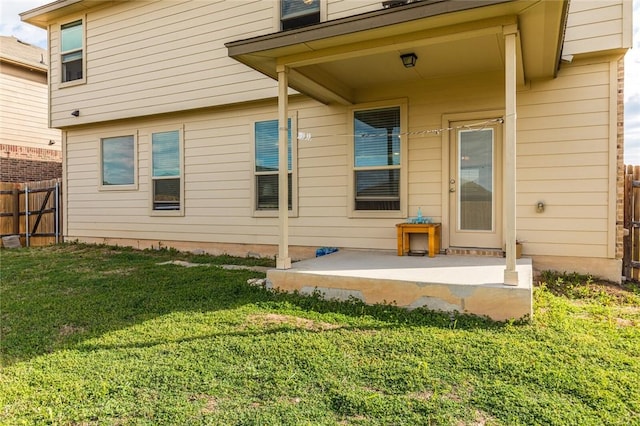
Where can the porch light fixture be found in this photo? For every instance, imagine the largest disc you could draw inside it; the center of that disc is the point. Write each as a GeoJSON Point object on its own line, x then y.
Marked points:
{"type": "Point", "coordinates": [75, 113]}
{"type": "Point", "coordinates": [409, 60]}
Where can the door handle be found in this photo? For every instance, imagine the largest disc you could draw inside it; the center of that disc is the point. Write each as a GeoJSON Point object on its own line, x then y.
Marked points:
{"type": "Point", "coordinates": [452, 189]}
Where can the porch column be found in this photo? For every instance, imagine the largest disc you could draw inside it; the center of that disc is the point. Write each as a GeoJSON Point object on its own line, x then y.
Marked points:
{"type": "Point", "coordinates": [283, 261]}
{"type": "Point", "coordinates": [509, 182]}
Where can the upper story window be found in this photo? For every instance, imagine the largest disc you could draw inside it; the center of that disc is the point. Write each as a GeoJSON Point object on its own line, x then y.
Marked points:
{"type": "Point", "coordinates": [299, 13]}
{"type": "Point", "coordinates": [71, 51]}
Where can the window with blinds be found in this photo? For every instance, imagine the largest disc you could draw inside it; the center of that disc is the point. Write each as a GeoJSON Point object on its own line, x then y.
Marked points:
{"type": "Point", "coordinates": [267, 164]}
{"type": "Point", "coordinates": [377, 159]}
{"type": "Point", "coordinates": [299, 13]}
{"type": "Point", "coordinates": [166, 171]}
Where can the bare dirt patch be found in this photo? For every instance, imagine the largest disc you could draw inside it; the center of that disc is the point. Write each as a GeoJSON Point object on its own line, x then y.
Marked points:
{"type": "Point", "coordinates": [481, 419]}
{"type": "Point", "coordinates": [69, 329]}
{"type": "Point", "coordinates": [421, 396]}
{"type": "Point", "coordinates": [271, 320]}
{"type": "Point", "coordinates": [351, 419]}
{"type": "Point", "coordinates": [186, 264]}
{"type": "Point", "coordinates": [182, 263]}
{"type": "Point", "coordinates": [210, 403]}
{"type": "Point", "coordinates": [624, 322]}
{"type": "Point", "coordinates": [627, 293]}
{"type": "Point", "coordinates": [119, 271]}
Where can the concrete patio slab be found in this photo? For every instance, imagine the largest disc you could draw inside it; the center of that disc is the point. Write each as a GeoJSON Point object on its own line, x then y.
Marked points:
{"type": "Point", "coordinates": [445, 282]}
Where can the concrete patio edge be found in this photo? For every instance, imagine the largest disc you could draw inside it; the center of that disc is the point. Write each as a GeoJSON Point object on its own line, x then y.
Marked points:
{"type": "Point", "coordinates": [445, 283]}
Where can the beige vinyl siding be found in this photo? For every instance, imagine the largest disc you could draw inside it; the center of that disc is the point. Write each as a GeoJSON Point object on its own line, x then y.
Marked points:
{"type": "Point", "coordinates": [23, 108]}
{"type": "Point", "coordinates": [594, 25]}
{"type": "Point", "coordinates": [562, 155]}
{"type": "Point", "coordinates": [218, 173]}
{"type": "Point", "coordinates": [138, 54]}
{"type": "Point", "coordinates": [462, 94]}
{"type": "Point", "coordinates": [342, 8]}
{"type": "Point", "coordinates": [217, 184]}
{"type": "Point", "coordinates": [563, 151]}
{"type": "Point", "coordinates": [322, 167]}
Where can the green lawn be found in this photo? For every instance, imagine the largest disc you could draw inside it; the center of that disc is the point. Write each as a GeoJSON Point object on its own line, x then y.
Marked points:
{"type": "Point", "coordinates": [106, 336]}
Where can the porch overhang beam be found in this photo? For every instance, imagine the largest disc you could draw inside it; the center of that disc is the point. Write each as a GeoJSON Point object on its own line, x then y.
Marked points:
{"type": "Point", "coordinates": [330, 92]}
{"type": "Point", "coordinates": [333, 92]}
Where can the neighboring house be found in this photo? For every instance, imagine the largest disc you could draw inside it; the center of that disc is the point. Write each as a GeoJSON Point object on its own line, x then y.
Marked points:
{"type": "Point", "coordinates": [505, 123]}
{"type": "Point", "coordinates": [29, 149]}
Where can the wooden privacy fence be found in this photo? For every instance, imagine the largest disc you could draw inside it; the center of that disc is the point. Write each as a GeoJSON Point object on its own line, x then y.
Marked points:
{"type": "Point", "coordinates": [31, 210]}
{"type": "Point", "coordinates": [631, 259]}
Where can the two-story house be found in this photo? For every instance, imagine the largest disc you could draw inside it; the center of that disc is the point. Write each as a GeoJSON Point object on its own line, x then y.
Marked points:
{"type": "Point", "coordinates": [29, 149]}
{"type": "Point", "coordinates": [499, 119]}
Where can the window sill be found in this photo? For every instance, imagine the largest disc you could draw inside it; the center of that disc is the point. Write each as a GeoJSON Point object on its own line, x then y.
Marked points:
{"type": "Point", "coordinates": [133, 187]}
{"type": "Point", "coordinates": [272, 213]}
{"type": "Point", "coordinates": [167, 213]}
{"type": "Point", "coordinates": [378, 214]}
{"type": "Point", "coordinates": [72, 83]}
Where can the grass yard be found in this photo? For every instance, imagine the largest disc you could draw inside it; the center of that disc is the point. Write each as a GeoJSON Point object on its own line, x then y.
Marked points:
{"type": "Point", "coordinates": [107, 336]}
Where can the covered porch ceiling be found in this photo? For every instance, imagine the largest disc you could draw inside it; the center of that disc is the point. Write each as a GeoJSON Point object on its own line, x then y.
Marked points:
{"type": "Point", "coordinates": [335, 60]}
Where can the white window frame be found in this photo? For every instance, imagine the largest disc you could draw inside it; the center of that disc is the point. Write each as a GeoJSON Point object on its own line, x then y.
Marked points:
{"type": "Point", "coordinates": [83, 80]}
{"type": "Point", "coordinates": [277, 24]}
{"type": "Point", "coordinates": [181, 210]}
{"type": "Point", "coordinates": [404, 162]}
{"type": "Point", "coordinates": [116, 187]}
{"type": "Point", "coordinates": [293, 212]}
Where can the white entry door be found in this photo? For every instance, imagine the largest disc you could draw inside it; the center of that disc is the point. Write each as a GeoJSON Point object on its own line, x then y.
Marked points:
{"type": "Point", "coordinates": [475, 196]}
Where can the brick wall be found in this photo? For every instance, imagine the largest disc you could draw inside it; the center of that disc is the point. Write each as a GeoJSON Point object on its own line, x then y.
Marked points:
{"type": "Point", "coordinates": [25, 164]}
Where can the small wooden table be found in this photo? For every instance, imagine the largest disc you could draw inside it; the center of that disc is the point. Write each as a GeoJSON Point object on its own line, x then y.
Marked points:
{"type": "Point", "coordinates": [405, 229]}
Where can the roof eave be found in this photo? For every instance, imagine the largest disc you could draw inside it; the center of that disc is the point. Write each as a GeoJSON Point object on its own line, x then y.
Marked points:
{"type": "Point", "coordinates": [43, 15]}
{"type": "Point", "coordinates": [22, 64]}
